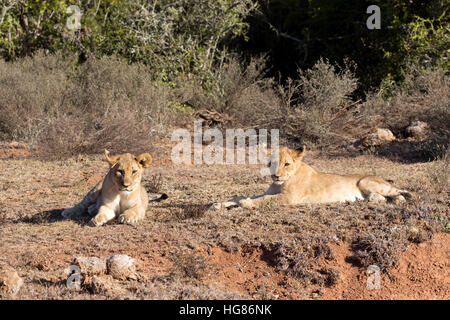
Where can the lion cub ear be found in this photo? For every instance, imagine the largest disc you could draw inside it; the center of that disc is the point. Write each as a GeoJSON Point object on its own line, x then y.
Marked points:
{"type": "Point", "coordinates": [112, 160]}
{"type": "Point", "coordinates": [144, 160]}
{"type": "Point", "coordinates": [299, 153]}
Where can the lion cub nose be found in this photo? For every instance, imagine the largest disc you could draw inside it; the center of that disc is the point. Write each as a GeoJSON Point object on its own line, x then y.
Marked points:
{"type": "Point", "coordinates": [126, 184]}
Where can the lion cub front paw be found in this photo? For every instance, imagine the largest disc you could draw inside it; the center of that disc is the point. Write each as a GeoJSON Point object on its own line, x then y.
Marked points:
{"type": "Point", "coordinates": [130, 217]}
{"type": "Point", "coordinates": [246, 203]}
{"type": "Point", "coordinates": [98, 220]}
{"type": "Point", "coordinates": [215, 206]}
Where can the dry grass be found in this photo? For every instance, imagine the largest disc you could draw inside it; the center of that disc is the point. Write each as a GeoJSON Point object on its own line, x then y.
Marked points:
{"type": "Point", "coordinates": [424, 96]}
{"type": "Point", "coordinates": [190, 266]}
{"type": "Point", "coordinates": [154, 183]}
{"type": "Point", "coordinates": [294, 241]}
{"type": "Point", "coordinates": [318, 108]}
{"type": "Point", "coordinates": [104, 103]}
{"type": "Point", "coordinates": [439, 174]}
{"type": "Point", "coordinates": [241, 93]}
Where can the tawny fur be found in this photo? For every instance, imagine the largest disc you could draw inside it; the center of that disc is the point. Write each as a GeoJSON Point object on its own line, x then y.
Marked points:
{"type": "Point", "coordinates": [119, 194]}
{"type": "Point", "coordinates": [296, 183]}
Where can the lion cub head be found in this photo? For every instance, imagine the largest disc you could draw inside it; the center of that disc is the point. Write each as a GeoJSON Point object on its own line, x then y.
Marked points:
{"type": "Point", "coordinates": [126, 169]}
{"type": "Point", "coordinates": [287, 163]}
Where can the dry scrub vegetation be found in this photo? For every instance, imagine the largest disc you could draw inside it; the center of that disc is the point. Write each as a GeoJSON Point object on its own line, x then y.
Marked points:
{"type": "Point", "coordinates": [69, 114]}
{"type": "Point", "coordinates": [65, 110]}
{"type": "Point", "coordinates": [61, 109]}
{"type": "Point", "coordinates": [186, 252]}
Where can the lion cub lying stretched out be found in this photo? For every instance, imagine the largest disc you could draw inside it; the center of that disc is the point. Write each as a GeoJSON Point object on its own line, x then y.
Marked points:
{"type": "Point", "coordinates": [295, 182]}
{"type": "Point", "coordinates": [120, 193]}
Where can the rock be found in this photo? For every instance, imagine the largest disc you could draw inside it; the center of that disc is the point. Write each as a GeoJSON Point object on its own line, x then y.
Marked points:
{"type": "Point", "coordinates": [417, 130]}
{"type": "Point", "coordinates": [413, 231]}
{"type": "Point", "coordinates": [121, 266]}
{"type": "Point", "coordinates": [91, 265]}
{"type": "Point", "coordinates": [106, 285]}
{"type": "Point", "coordinates": [380, 137]}
{"type": "Point", "coordinates": [10, 282]}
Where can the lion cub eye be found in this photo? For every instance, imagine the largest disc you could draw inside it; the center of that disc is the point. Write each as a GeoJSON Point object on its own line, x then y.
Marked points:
{"type": "Point", "coordinates": [287, 164]}
{"type": "Point", "coordinates": [134, 171]}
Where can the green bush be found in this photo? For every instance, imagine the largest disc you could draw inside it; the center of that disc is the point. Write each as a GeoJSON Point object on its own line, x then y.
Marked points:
{"type": "Point", "coordinates": [171, 37]}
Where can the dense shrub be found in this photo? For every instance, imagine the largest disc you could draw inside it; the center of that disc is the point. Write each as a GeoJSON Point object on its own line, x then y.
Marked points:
{"type": "Point", "coordinates": [170, 36]}
{"type": "Point", "coordinates": [318, 107]}
{"type": "Point", "coordinates": [425, 96]}
{"type": "Point", "coordinates": [296, 33]}
{"type": "Point", "coordinates": [241, 93]}
{"type": "Point", "coordinates": [67, 108]}
{"type": "Point", "coordinates": [105, 103]}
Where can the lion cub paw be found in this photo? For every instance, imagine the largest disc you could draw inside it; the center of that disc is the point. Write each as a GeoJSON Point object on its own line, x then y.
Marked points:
{"type": "Point", "coordinates": [215, 206]}
{"type": "Point", "coordinates": [246, 203]}
{"type": "Point", "coordinates": [376, 198]}
{"type": "Point", "coordinates": [98, 220]}
{"type": "Point", "coordinates": [130, 217]}
{"type": "Point", "coordinates": [399, 199]}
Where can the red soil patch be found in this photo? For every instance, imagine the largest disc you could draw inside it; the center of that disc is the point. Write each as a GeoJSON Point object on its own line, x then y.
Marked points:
{"type": "Point", "coordinates": [246, 273]}
{"type": "Point", "coordinates": [13, 149]}
{"type": "Point", "coordinates": [422, 273]}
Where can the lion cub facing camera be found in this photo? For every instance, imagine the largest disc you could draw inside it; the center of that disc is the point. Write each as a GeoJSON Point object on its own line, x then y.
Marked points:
{"type": "Point", "coordinates": [119, 194]}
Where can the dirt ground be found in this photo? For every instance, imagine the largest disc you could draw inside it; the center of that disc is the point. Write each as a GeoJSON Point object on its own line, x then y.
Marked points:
{"type": "Point", "coordinates": [185, 252]}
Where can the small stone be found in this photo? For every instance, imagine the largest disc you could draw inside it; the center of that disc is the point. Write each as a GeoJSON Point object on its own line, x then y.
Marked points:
{"type": "Point", "coordinates": [385, 134]}
{"type": "Point", "coordinates": [316, 293]}
{"type": "Point", "coordinates": [91, 265]}
{"type": "Point", "coordinates": [378, 138]}
{"type": "Point", "coordinates": [417, 130]}
{"type": "Point", "coordinates": [413, 231]}
{"type": "Point", "coordinates": [10, 282]}
{"type": "Point", "coordinates": [121, 266]}
{"type": "Point", "coordinates": [106, 285]}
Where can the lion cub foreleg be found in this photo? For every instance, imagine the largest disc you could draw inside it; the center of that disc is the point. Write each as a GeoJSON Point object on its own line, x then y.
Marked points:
{"type": "Point", "coordinates": [259, 201]}
{"type": "Point", "coordinates": [135, 211]}
{"type": "Point", "coordinates": [105, 214]}
{"type": "Point", "coordinates": [234, 202]}
{"type": "Point", "coordinates": [274, 193]}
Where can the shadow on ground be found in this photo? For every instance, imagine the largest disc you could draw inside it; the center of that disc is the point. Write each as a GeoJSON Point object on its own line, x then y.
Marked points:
{"type": "Point", "coordinates": [52, 216]}
{"type": "Point", "coordinates": [406, 152]}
